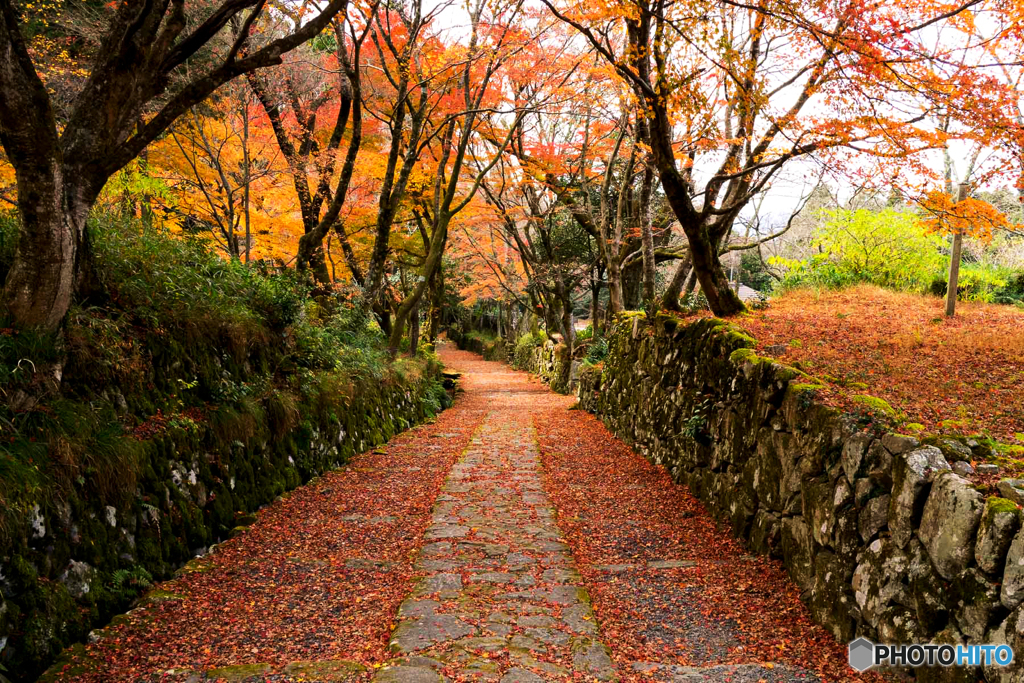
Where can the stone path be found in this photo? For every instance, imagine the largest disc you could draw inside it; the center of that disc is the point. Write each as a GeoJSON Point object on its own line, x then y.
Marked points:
{"type": "Point", "coordinates": [500, 598]}
{"type": "Point", "coordinates": [456, 552]}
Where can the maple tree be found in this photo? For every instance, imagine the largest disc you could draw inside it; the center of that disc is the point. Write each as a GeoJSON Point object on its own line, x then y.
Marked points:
{"type": "Point", "coordinates": [732, 94]}
{"type": "Point", "coordinates": [960, 217]}
{"type": "Point", "coordinates": [216, 161]}
{"type": "Point", "coordinates": [151, 63]}
{"type": "Point", "coordinates": [297, 92]}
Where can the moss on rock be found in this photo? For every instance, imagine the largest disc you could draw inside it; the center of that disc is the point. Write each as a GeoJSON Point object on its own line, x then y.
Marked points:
{"type": "Point", "coordinates": [876, 405]}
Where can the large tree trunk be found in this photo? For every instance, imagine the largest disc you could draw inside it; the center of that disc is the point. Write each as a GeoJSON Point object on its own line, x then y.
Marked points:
{"type": "Point", "coordinates": [41, 282]}
{"type": "Point", "coordinates": [616, 300]}
{"type": "Point", "coordinates": [709, 271]}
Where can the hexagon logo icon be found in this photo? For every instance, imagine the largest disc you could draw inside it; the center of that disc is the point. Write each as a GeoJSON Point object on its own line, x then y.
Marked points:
{"type": "Point", "coordinates": [862, 654]}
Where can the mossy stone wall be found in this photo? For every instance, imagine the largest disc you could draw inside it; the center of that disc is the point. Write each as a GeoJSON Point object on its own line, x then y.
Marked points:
{"type": "Point", "coordinates": [883, 539]}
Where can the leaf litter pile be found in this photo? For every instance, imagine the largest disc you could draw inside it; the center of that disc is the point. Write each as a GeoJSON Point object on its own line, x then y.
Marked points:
{"type": "Point", "coordinates": [964, 374]}
{"type": "Point", "coordinates": [317, 578]}
{"type": "Point", "coordinates": [668, 585]}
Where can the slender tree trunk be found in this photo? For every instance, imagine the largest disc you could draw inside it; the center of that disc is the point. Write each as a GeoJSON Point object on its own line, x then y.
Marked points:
{"type": "Point", "coordinates": [414, 330]}
{"type": "Point", "coordinates": [438, 240]}
{"type": "Point", "coordinates": [954, 275]}
{"type": "Point", "coordinates": [953, 281]}
{"type": "Point", "coordinates": [247, 173]}
{"type": "Point", "coordinates": [670, 299]}
{"type": "Point", "coordinates": [436, 302]}
{"type": "Point", "coordinates": [595, 305]}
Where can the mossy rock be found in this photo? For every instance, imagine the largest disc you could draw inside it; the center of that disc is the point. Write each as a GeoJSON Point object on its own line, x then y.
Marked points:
{"type": "Point", "coordinates": [743, 355]}
{"type": "Point", "coordinates": [70, 665]}
{"type": "Point", "coordinates": [996, 505]}
{"type": "Point", "coordinates": [238, 672]}
{"type": "Point", "coordinates": [876, 405]}
{"type": "Point", "coordinates": [334, 671]}
{"type": "Point", "coordinates": [157, 596]}
{"type": "Point", "coordinates": [805, 387]}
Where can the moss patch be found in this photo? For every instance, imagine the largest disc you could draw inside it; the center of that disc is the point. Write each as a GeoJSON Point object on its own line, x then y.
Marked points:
{"type": "Point", "coordinates": [876, 405]}
{"type": "Point", "coordinates": [238, 672]}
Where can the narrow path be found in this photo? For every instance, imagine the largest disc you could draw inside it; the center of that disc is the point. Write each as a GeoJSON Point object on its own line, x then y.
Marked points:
{"type": "Point", "coordinates": [470, 549]}
{"type": "Point", "coordinates": [500, 594]}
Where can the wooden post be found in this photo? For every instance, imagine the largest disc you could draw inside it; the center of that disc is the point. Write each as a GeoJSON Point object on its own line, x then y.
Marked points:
{"type": "Point", "coordinates": [954, 261]}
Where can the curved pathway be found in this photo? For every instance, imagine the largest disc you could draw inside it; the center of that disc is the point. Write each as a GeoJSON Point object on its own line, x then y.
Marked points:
{"type": "Point", "coordinates": [513, 539]}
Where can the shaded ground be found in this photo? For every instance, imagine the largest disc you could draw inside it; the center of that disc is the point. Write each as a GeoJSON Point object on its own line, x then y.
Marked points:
{"type": "Point", "coordinates": [497, 524]}
{"type": "Point", "coordinates": [964, 374]}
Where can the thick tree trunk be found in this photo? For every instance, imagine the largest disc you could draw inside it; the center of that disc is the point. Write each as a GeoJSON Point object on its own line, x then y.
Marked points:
{"type": "Point", "coordinates": [41, 282]}
{"type": "Point", "coordinates": [711, 275]}
{"type": "Point", "coordinates": [647, 233]}
{"type": "Point", "coordinates": [616, 301]}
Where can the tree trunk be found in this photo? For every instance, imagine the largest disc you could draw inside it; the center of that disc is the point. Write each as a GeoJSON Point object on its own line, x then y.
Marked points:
{"type": "Point", "coordinates": [647, 234]}
{"type": "Point", "coordinates": [713, 280]}
{"type": "Point", "coordinates": [414, 330]}
{"type": "Point", "coordinates": [953, 282]}
{"type": "Point", "coordinates": [595, 306]}
{"type": "Point", "coordinates": [438, 240]}
{"type": "Point", "coordinates": [40, 284]}
{"type": "Point", "coordinates": [670, 299]}
{"type": "Point", "coordinates": [954, 275]}
{"type": "Point", "coordinates": [436, 302]}
{"type": "Point", "coordinates": [616, 302]}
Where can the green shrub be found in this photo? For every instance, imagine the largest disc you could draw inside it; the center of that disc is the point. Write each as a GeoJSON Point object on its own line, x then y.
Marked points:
{"type": "Point", "coordinates": [888, 248]}
{"type": "Point", "coordinates": [597, 352]}
{"type": "Point", "coordinates": [1012, 292]}
{"type": "Point", "coordinates": [982, 282]}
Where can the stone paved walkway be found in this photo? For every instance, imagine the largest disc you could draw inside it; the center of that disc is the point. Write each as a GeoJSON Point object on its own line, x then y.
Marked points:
{"type": "Point", "coordinates": [500, 598]}
{"type": "Point", "coordinates": [456, 552]}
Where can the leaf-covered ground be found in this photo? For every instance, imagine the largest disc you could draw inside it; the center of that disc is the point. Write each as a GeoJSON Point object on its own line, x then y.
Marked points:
{"type": "Point", "coordinates": [669, 586]}
{"type": "Point", "coordinates": [962, 374]}
{"type": "Point", "coordinates": [480, 521]}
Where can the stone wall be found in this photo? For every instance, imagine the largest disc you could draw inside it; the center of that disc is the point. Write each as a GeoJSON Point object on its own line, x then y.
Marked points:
{"type": "Point", "coordinates": [75, 564]}
{"type": "Point", "coordinates": [881, 535]}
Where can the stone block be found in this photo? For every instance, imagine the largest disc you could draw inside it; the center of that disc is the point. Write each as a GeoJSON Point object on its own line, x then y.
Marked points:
{"type": "Point", "coordinates": [949, 523]}
{"type": "Point", "coordinates": [912, 476]}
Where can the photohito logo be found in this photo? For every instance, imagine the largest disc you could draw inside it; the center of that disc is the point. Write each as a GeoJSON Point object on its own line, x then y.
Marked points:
{"type": "Point", "coordinates": [864, 654]}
